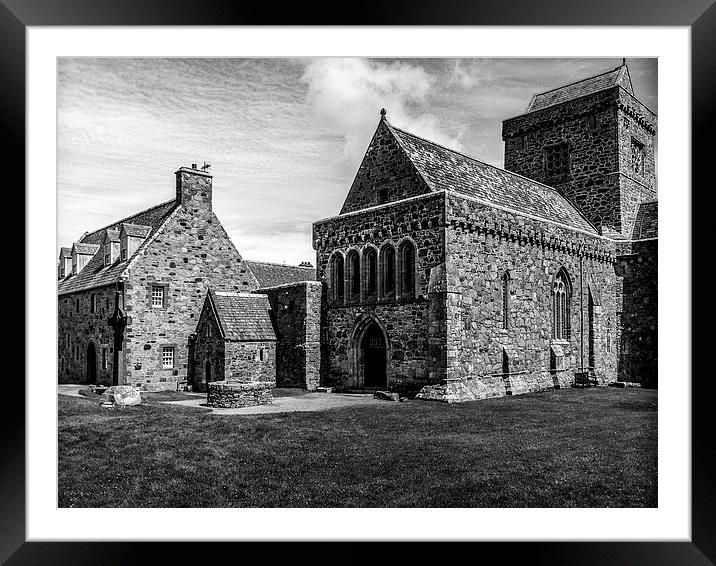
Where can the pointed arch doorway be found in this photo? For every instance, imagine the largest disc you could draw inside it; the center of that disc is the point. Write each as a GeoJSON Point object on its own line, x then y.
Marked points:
{"type": "Point", "coordinates": [372, 357]}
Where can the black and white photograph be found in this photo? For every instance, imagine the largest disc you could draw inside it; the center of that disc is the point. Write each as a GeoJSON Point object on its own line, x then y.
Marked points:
{"type": "Point", "coordinates": [330, 282]}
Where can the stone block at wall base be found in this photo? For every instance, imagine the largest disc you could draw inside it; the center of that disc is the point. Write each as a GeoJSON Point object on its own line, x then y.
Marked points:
{"type": "Point", "coordinates": [486, 387]}
{"type": "Point", "coordinates": [232, 395]}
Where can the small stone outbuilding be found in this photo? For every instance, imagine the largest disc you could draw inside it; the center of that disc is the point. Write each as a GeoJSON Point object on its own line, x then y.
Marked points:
{"type": "Point", "coordinates": [234, 350]}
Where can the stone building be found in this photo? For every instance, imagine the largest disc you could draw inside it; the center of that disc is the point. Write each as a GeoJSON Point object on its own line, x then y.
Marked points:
{"type": "Point", "coordinates": [234, 349]}
{"type": "Point", "coordinates": [445, 274]}
{"type": "Point", "coordinates": [130, 295]}
{"type": "Point", "coordinates": [441, 274]}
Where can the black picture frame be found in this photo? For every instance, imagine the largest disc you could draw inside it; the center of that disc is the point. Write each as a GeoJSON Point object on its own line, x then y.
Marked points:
{"type": "Point", "coordinates": [698, 15]}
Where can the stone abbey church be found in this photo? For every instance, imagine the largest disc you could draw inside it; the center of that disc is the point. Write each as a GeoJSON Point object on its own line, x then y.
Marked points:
{"type": "Point", "coordinates": [441, 274]}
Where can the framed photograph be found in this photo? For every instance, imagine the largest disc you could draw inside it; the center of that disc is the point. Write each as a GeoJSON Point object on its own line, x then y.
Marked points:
{"type": "Point", "coordinates": [395, 279]}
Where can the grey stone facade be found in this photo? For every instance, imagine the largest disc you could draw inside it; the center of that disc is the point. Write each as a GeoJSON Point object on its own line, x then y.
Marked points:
{"type": "Point", "coordinates": [185, 253]}
{"type": "Point", "coordinates": [441, 275]}
{"type": "Point", "coordinates": [521, 281]}
{"type": "Point", "coordinates": [297, 312]}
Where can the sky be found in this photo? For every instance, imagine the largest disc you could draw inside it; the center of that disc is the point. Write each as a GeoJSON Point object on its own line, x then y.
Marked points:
{"type": "Point", "coordinates": [284, 137]}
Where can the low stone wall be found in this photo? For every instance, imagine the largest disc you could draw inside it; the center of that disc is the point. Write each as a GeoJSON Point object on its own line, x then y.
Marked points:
{"type": "Point", "coordinates": [230, 395]}
{"type": "Point", "coordinates": [485, 387]}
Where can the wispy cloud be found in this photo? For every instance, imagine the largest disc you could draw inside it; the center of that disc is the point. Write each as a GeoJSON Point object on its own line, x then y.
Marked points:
{"type": "Point", "coordinates": [285, 136]}
{"type": "Point", "coordinates": [346, 96]}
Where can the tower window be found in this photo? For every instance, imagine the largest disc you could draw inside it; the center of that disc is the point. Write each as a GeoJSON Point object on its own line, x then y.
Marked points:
{"type": "Point", "coordinates": [637, 156]}
{"type": "Point", "coordinates": [556, 160]}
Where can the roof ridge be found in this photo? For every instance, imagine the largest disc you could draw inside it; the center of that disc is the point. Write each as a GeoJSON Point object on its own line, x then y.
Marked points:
{"type": "Point", "coordinates": [512, 173]}
{"type": "Point", "coordinates": [580, 80]}
{"type": "Point", "coordinates": [479, 160]}
{"type": "Point", "coordinates": [278, 264]}
{"type": "Point", "coordinates": [122, 221]}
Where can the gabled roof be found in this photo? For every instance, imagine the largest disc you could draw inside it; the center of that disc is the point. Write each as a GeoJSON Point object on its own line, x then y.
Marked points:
{"type": "Point", "coordinates": [85, 249]}
{"type": "Point", "coordinates": [243, 316]}
{"type": "Point", "coordinates": [273, 274]}
{"type": "Point", "coordinates": [646, 224]}
{"type": "Point", "coordinates": [152, 217]}
{"type": "Point", "coordinates": [615, 77]}
{"type": "Point", "coordinates": [448, 170]}
{"type": "Point", "coordinates": [111, 235]}
{"type": "Point", "coordinates": [65, 252]}
{"type": "Point", "coordinates": [136, 230]}
{"type": "Point", "coordinates": [96, 273]}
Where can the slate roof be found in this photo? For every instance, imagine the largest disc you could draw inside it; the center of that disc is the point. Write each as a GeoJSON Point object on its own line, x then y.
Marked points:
{"type": "Point", "coordinates": [136, 230]}
{"type": "Point", "coordinates": [152, 217]}
{"type": "Point", "coordinates": [95, 273]}
{"type": "Point", "coordinates": [273, 274]}
{"type": "Point", "coordinates": [243, 316]}
{"type": "Point", "coordinates": [615, 77]}
{"type": "Point", "coordinates": [86, 249]}
{"type": "Point", "coordinates": [112, 236]}
{"type": "Point", "coordinates": [445, 169]}
{"type": "Point", "coordinates": [646, 224]}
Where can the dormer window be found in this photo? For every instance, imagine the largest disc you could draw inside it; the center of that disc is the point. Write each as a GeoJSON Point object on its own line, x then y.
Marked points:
{"type": "Point", "coordinates": [107, 259]}
{"type": "Point", "coordinates": [131, 237]}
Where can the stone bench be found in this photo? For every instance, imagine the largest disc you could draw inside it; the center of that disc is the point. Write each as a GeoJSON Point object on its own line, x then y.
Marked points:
{"type": "Point", "coordinates": [234, 394]}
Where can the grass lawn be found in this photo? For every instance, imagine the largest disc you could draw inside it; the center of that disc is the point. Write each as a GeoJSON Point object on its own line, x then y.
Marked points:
{"type": "Point", "coordinates": [569, 448]}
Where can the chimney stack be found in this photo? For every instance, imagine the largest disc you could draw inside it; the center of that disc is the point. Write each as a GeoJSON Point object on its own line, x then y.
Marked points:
{"type": "Point", "coordinates": [194, 187]}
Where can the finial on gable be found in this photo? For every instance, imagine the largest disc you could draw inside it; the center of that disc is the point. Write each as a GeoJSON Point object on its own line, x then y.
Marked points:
{"type": "Point", "coordinates": [623, 61]}
{"type": "Point", "coordinates": [382, 113]}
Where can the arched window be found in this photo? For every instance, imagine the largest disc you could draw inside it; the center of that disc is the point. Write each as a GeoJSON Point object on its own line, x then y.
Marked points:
{"type": "Point", "coordinates": [387, 264]}
{"type": "Point", "coordinates": [353, 261]}
{"type": "Point", "coordinates": [561, 303]}
{"type": "Point", "coordinates": [337, 277]}
{"type": "Point", "coordinates": [506, 300]}
{"type": "Point", "coordinates": [407, 269]}
{"type": "Point", "coordinates": [370, 262]}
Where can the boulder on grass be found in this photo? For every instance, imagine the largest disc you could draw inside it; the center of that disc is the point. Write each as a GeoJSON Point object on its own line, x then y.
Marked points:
{"type": "Point", "coordinates": [124, 395]}
{"type": "Point", "coordinates": [386, 396]}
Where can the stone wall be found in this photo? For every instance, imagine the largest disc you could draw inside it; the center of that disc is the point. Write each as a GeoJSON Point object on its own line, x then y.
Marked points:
{"type": "Point", "coordinates": [231, 395]}
{"type": "Point", "coordinates": [384, 168]}
{"type": "Point", "coordinates": [77, 328]}
{"type": "Point", "coordinates": [636, 335]}
{"type": "Point", "coordinates": [598, 130]}
{"type": "Point", "coordinates": [297, 310]}
{"type": "Point", "coordinates": [189, 254]}
{"type": "Point", "coordinates": [208, 346]}
{"type": "Point", "coordinates": [248, 362]}
{"type": "Point", "coordinates": [405, 320]}
{"type": "Point", "coordinates": [482, 243]}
